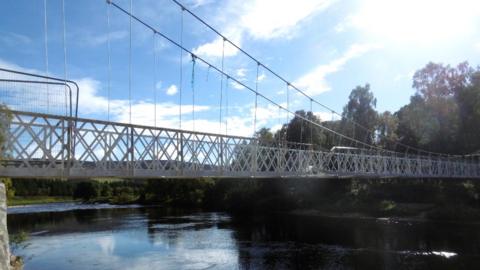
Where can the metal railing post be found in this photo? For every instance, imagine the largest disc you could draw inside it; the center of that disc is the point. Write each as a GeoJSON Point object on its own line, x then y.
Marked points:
{"type": "Point", "coordinates": [131, 152]}
{"type": "Point", "coordinates": [69, 147]}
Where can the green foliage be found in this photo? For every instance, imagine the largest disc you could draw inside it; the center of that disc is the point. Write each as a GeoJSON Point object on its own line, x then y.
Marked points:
{"type": "Point", "coordinates": [468, 99]}
{"type": "Point", "coordinates": [300, 131]}
{"type": "Point", "coordinates": [20, 200]}
{"type": "Point", "coordinates": [117, 192]}
{"type": "Point", "coordinates": [87, 190]}
{"type": "Point", "coordinates": [182, 192]}
{"type": "Point", "coordinates": [264, 134]}
{"type": "Point", "coordinates": [18, 241]}
{"type": "Point", "coordinates": [444, 114]}
{"type": "Point", "coordinates": [361, 109]}
{"type": "Point", "coordinates": [42, 187]}
{"type": "Point", "coordinates": [438, 81]}
{"type": "Point", "coordinates": [387, 205]}
{"type": "Point", "coordinates": [387, 130]}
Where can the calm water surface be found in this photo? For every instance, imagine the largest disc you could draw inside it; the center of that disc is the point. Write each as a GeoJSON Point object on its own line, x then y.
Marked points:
{"type": "Point", "coordinates": [62, 236]}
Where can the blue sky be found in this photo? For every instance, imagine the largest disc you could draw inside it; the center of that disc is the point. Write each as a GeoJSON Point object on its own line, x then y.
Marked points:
{"type": "Point", "coordinates": [324, 47]}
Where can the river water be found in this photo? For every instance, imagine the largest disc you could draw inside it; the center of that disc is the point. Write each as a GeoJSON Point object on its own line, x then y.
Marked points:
{"type": "Point", "coordinates": [72, 236]}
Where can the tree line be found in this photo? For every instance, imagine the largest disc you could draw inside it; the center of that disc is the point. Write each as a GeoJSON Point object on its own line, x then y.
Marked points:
{"type": "Point", "coordinates": [442, 116]}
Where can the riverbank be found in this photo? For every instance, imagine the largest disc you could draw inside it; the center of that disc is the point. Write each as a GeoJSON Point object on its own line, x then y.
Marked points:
{"type": "Point", "coordinates": [429, 199]}
{"type": "Point", "coordinates": [30, 200]}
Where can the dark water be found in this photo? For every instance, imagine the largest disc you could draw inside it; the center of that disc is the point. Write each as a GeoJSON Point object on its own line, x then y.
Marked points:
{"type": "Point", "coordinates": [157, 238]}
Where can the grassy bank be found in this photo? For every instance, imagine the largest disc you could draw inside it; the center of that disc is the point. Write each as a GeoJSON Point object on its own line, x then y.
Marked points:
{"type": "Point", "coordinates": [28, 200]}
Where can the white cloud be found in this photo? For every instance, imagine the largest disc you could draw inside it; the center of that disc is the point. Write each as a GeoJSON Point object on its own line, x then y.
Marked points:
{"type": "Point", "coordinates": [314, 82]}
{"type": "Point", "coordinates": [326, 116]}
{"type": "Point", "coordinates": [266, 19]}
{"type": "Point", "coordinates": [236, 85]}
{"type": "Point", "coordinates": [167, 114]}
{"type": "Point", "coordinates": [260, 19]}
{"type": "Point", "coordinates": [403, 76]}
{"type": "Point", "coordinates": [90, 102]}
{"type": "Point", "coordinates": [477, 46]}
{"type": "Point", "coordinates": [214, 49]}
{"type": "Point", "coordinates": [171, 90]}
{"type": "Point", "coordinates": [262, 77]}
{"type": "Point", "coordinates": [276, 128]}
{"type": "Point", "coordinates": [340, 27]}
{"type": "Point", "coordinates": [12, 66]}
{"type": "Point", "coordinates": [417, 22]}
{"type": "Point", "coordinates": [241, 73]}
{"type": "Point", "coordinates": [199, 3]}
{"type": "Point", "coordinates": [13, 39]}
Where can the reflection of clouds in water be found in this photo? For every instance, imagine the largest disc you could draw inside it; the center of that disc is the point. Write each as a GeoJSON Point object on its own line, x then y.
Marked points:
{"type": "Point", "coordinates": [130, 249]}
{"type": "Point", "coordinates": [107, 244]}
{"type": "Point", "coordinates": [186, 259]}
{"type": "Point", "coordinates": [445, 254]}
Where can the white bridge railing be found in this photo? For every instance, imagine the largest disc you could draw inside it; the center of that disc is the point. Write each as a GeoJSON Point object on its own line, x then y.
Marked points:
{"type": "Point", "coordinates": [40, 145]}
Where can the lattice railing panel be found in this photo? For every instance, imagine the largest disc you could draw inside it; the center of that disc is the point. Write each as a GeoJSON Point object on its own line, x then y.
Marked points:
{"type": "Point", "coordinates": [40, 145]}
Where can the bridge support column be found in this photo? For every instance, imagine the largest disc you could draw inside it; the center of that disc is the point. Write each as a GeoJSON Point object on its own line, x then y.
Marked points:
{"type": "Point", "coordinates": [4, 248]}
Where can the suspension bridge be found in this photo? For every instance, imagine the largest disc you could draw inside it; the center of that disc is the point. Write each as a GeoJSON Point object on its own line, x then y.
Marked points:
{"type": "Point", "coordinates": [57, 143]}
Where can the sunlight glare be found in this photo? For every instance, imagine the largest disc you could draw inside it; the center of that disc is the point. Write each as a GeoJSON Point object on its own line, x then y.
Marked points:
{"type": "Point", "coordinates": [422, 21]}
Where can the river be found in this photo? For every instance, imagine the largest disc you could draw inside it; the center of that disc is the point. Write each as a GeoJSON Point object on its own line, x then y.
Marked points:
{"type": "Point", "coordinates": [73, 236]}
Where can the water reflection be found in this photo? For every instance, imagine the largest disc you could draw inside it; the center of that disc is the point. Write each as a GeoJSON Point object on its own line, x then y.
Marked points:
{"type": "Point", "coordinates": [159, 238]}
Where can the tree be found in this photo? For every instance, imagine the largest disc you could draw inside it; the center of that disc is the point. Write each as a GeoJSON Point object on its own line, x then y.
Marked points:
{"type": "Point", "coordinates": [468, 100]}
{"type": "Point", "coordinates": [442, 115]}
{"type": "Point", "coordinates": [439, 81]}
{"type": "Point", "coordinates": [360, 109]}
{"type": "Point", "coordinates": [264, 134]}
{"type": "Point", "coordinates": [387, 131]}
{"type": "Point", "coordinates": [300, 130]}
{"type": "Point", "coordinates": [87, 190]}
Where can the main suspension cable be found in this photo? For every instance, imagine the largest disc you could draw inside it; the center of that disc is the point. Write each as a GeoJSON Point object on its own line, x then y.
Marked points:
{"type": "Point", "coordinates": [286, 81]}
{"type": "Point", "coordinates": [242, 84]}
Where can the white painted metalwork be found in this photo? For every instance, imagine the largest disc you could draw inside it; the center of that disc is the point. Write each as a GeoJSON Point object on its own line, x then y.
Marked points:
{"type": "Point", "coordinates": [40, 145]}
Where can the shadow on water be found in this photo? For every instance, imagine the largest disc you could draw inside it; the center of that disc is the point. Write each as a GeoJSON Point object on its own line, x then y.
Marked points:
{"type": "Point", "coordinates": [289, 241]}
{"type": "Point", "coordinates": [149, 238]}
